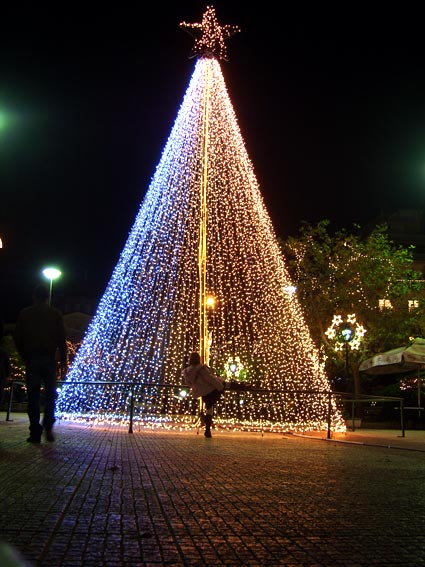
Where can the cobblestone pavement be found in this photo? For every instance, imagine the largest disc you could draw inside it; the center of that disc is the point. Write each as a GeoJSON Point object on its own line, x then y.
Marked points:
{"type": "Point", "coordinates": [101, 496]}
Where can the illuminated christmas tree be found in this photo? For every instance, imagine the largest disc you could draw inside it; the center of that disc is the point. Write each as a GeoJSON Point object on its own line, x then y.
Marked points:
{"type": "Point", "coordinates": [201, 270]}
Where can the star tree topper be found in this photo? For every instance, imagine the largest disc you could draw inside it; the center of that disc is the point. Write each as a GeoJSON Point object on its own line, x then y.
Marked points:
{"type": "Point", "coordinates": [209, 35]}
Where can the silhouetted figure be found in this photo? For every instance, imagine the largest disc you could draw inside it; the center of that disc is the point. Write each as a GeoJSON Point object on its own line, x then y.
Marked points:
{"type": "Point", "coordinates": [39, 333]}
{"type": "Point", "coordinates": [203, 383]}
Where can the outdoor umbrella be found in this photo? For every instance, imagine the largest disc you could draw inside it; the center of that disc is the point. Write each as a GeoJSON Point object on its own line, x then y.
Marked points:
{"type": "Point", "coordinates": [397, 360]}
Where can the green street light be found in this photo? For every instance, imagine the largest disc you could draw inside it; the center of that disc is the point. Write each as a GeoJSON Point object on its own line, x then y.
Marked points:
{"type": "Point", "coordinates": [3, 120]}
{"type": "Point", "coordinates": [51, 274]}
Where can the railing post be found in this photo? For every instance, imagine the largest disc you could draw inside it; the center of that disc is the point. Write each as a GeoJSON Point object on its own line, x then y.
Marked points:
{"type": "Point", "coordinates": [353, 413]}
{"type": "Point", "coordinates": [402, 417]}
{"type": "Point", "coordinates": [9, 406]}
{"type": "Point", "coordinates": [329, 415]}
{"type": "Point", "coordinates": [131, 408]}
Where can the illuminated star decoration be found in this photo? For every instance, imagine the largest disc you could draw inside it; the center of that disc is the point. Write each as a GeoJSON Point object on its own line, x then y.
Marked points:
{"type": "Point", "coordinates": [210, 36]}
{"type": "Point", "coordinates": [336, 332]}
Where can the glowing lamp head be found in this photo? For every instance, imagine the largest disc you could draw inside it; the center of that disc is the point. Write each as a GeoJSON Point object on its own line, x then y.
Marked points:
{"type": "Point", "coordinates": [51, 273]}
{"type": "Point", "coordinates": [347, 334]}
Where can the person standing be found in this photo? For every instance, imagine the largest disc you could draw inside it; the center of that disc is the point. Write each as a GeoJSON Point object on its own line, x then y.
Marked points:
{"type": "Point", "coordinates": [39, 334]}
{"type": "Point", "coordinates": [204, 384]}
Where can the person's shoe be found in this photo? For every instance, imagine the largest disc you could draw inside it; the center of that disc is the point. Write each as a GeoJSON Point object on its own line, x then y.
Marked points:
{"type": "Point", "coordinates": [208, 423]}
{"type": "Point", "coordinates": [32, 439]}
{"type": "Point", "coordinates": [49, 436]}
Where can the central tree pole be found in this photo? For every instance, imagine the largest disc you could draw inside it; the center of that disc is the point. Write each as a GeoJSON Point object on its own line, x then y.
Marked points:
{"type": "Point", "coordinates": [209, 43]}
{"type": "Point", "coordinates": [202, 254]}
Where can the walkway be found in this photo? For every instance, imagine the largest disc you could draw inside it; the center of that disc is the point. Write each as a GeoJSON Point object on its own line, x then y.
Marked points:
{"type": "Point", "coordinates": [100, 496]}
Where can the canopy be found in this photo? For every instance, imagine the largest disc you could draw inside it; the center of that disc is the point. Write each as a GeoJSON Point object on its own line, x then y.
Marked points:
{"type": "Point", "coordinates": [402, 359]}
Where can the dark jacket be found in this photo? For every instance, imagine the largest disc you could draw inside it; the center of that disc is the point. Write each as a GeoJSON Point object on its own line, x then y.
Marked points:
{"type": "Point", "coordinates": [40, 330]}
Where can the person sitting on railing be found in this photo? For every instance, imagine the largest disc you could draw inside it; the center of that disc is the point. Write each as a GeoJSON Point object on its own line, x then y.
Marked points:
{"type": "Point", "coordinates": [204, 384]}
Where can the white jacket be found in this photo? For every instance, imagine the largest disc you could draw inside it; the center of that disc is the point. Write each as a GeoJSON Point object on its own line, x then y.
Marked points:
{"type": "Point", "coordinates": [202, 380]}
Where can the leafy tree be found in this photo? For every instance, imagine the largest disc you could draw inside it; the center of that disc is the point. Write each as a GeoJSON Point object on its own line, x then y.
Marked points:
{"type": "Point", "coordinates": [17, 365]}
{"type": "Point", "coordinates": [342, 274]}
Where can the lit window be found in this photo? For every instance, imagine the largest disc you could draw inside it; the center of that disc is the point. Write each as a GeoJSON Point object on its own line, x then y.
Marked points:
{"type": "Point", "coordinates": [385, 304]}
{"type": "Point", "coordinates": [413, 304]}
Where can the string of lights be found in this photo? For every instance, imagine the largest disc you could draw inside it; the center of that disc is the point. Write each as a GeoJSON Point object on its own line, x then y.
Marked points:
{"type": "Point", "coordinates": [147, 321]}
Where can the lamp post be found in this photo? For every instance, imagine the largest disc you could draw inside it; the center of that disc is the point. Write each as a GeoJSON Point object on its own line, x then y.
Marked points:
{"type": "Point", "coordinates": [346, 334]}
{"type": "Point", "coordinates": [51, 274]}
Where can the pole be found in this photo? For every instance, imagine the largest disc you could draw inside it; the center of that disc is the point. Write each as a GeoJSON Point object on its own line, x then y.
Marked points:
{"type": "Point", "coordinates": [402, 418]}
{"type": "Point", "coordinates": [202, 252]}
{"type": "Point", "coordinates": [347, 379]}
{"type": "Point", "coordinates": [50, 291]}
{"type": "Point", "coordinates": [130, 429]}
{"type": "Point", "coordinates": [9, 406]}
{"type": "Point", "coordinates": [329, 415]}
{"type": "Point", "coordinates": [346, 363]}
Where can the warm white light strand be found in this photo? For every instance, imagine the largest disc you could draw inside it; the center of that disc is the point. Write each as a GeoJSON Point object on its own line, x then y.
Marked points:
{"type": "Point", "coordinates": [147, 321]}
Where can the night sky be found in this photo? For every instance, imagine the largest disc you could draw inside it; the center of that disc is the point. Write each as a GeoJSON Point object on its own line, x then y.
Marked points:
{"type": "Point", "coordinates": [330, 102]}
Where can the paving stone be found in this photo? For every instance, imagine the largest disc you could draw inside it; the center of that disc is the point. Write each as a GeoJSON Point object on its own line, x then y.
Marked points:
{"type": "Point", "coordinates": [102, 496]}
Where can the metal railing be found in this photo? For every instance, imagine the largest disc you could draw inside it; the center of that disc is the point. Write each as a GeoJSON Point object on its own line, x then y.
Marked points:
{"type": "Point", "coordinates": [355, 402]}
{"type": "Point", "coordinates": [229, 405]}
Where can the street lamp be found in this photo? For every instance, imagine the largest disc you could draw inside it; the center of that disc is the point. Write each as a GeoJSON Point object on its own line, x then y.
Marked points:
{"type": "Point", "coordinates": [51, 274]}
{"type": "Point", "coordinates": [346, 335]}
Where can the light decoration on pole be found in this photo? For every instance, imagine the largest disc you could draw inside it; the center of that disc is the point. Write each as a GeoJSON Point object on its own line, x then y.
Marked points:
{"type": "Point", "coordinates": [234, 368]}
{"type": "Point", "coordinates": [148, 319]}
{"type": "Point", "coordinates": [51, 274]}
{"type": "Point", "coordinates": [348, 333]}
